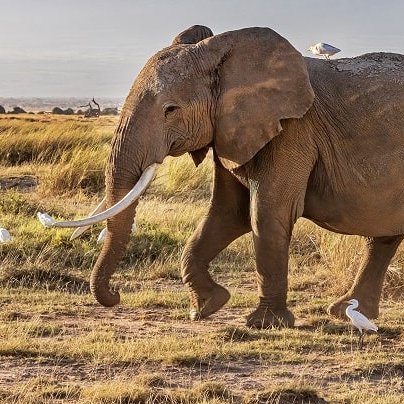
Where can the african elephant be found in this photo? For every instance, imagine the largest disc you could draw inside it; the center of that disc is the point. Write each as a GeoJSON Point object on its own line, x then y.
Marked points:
{"type": "Point", "coordinates": [291, 137]}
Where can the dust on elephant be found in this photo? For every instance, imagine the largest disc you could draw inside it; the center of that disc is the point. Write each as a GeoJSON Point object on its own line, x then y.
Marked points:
{"type": "Point", "coordinates": [291, 137]}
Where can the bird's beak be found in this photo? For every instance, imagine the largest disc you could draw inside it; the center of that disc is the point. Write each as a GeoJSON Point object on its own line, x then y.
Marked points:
{"type": "Point", "coordinates": [346, 301]}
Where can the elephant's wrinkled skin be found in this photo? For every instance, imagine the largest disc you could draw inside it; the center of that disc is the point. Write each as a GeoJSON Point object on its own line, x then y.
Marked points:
{"type": "Point", "coordinates": [292, 137]}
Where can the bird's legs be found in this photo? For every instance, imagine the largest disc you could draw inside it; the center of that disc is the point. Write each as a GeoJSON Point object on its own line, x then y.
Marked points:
{"type": "Point", "coordinates": [361, 336]}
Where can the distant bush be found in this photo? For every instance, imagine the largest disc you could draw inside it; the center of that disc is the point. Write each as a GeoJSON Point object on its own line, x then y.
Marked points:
{"type": "Point", "coordinates": [69, 111]}
{"type": "Point", "coordinates": [60, 111]}
{"type": "Point", "coordinates": [110, 111]}
{"type": "Point", "coordinates": [57, 111]}
{"type": "Point", "coordinates": [17, 110]}
{"type": "Point", "coordinates": [2, 110]}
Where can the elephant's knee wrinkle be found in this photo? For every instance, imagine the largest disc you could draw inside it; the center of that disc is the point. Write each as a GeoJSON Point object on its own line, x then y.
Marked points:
{"type": "Point", "coordinates": [194, 274]}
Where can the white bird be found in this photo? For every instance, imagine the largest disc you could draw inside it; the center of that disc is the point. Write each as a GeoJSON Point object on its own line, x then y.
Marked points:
{"type": "Point", "coordinates": [323, 49]}
{"type": "Point", "coordinates": [4, 235]}
{"type": "Point", "coordinates": [361, 322]}
{"type": "Point", "coordinates": [103, 233]}
{"type": "Point", "coordinates": [45, 219]}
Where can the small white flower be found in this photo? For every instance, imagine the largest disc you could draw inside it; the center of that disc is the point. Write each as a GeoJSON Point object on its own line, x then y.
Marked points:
{"type": "Point", "coordinates": [4, 235]}
{"type": "Point", "coordinates": [45, 219]}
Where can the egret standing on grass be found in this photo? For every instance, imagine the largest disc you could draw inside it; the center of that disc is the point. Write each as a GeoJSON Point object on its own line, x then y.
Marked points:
{"type": "Point", "coordinates": [323, 49]}
{"type": "Point", "coordinates": [361, 322]}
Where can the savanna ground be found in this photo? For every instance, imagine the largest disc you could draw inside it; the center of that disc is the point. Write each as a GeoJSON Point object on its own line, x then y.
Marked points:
{"type": "Point", "coordinates": [58, 345]}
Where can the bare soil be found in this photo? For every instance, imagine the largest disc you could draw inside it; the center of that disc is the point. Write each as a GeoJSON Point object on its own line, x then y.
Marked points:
{"type": "Point", "coordinates": [239, 375]}
{"type": "Point", "coordinates": [20, 183]}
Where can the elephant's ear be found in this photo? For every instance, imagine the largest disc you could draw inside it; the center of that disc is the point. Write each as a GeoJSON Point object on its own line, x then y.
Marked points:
{"type": "Point", "coordinates": [262, 79]}
{"type": "Point", "coordinates": [193, 35]}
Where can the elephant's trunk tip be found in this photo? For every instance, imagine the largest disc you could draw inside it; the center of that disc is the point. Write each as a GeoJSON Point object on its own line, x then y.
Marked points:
{"type": "Point", "coordinates": [104, 295]}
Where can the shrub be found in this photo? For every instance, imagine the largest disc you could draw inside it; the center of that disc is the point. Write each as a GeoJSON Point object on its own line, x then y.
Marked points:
{"type": "Point", "coordinates": [18, 110]}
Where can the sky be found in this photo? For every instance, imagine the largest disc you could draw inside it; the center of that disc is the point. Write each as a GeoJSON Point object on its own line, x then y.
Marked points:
{"type": "Point", "coordinates": [96, 47]}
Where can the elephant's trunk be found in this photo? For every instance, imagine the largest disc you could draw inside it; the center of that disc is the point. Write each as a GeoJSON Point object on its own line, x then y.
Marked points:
{"type": "Point", "coordinates": [122, 173]}
{"type": "Point", "coordinates": [119, 230]}
{"type": "Point", "coordinates": [130, 169]}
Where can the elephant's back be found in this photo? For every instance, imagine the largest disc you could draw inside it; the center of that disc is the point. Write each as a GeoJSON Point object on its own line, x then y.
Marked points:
{"type": "Point", "coordinates": [372, 83]}
{"type": "Point", "coordinates": [373, 65]}
{"type": "Point", "coordinates": [376, 65]}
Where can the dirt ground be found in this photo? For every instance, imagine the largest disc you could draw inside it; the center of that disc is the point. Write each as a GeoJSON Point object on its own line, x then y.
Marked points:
{"type": "Point", "coordinates": [325, 369]}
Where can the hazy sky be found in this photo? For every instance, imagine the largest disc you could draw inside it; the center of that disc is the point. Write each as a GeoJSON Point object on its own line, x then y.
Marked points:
{"type": "Point", "coordinates": [96, 47]}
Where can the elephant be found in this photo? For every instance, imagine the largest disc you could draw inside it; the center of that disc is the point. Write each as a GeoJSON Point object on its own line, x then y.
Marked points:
{"type": "Point", "coordinates": [291, 137]}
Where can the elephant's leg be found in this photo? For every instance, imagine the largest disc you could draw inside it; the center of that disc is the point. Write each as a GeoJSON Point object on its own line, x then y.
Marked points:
{"type": "Point", "coordinates": [271, 233]}
{"type": "Point", "coordinates": [227, 219]}
{"type": "Point", "coordinates": [367, 287]}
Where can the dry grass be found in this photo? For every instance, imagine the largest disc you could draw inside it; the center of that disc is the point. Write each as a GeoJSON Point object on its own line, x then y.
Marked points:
{"type": "Point", "coordinates": [39, 141]}
{"type": "Point", "coordinates": [58, 345]}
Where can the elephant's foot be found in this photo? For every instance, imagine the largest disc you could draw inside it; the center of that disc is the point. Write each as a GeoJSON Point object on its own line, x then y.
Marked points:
{"type": "Point", "coordinates": [206, 301]}
{"type": "Point", "coordinates": [264, 317]}
{"type": "Point", "coordinates": [368, 307]}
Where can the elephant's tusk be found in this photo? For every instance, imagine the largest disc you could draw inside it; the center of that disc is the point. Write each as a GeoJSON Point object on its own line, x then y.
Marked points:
{"type": "Point", "coordinates": [144, 181]}
{"type": "Point", "coordinates": [78, 232]}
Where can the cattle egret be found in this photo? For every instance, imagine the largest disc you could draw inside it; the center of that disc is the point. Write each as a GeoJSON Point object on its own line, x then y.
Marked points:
{"type": "Point", "coordinates": [45, 219]}
{"type": "Point", "coordinates": [323, 49]}
{"type": "Point", "coordinates": [4, 235]}
{"type": "Point", "coordinates": [103, 233]}
{"type": "Point", "coordinates": [361, 322]}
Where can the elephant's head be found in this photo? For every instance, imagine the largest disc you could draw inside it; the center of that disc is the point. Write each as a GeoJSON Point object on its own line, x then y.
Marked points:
{"type": "Point", "coordinates": [229, 91]}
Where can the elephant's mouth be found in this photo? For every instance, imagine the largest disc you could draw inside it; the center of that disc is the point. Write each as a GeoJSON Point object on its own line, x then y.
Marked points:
{"type": "Point", "coordinates": [98, 215]}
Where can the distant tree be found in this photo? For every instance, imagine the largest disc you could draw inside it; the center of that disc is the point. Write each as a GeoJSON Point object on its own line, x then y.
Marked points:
{"type": "Point", "coordinates": [2, 110]}
{"type": "Point", "coordinates": [69, 111]}
{"type": "Point", "coordinates": [92, 112]}
{"type": "Point", "coordinates": [80, 112]}
{"type": "Point", "coordinates": [17, 110]}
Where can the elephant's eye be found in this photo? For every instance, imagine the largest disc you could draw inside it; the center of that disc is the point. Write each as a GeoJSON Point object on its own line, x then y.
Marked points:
{"type": "Point", "coordinates": [169, 108]}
